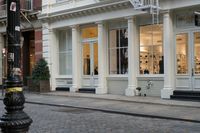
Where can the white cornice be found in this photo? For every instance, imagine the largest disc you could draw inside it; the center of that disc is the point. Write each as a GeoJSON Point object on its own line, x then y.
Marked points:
{"type": "Point", "coordinates": [106, 6]}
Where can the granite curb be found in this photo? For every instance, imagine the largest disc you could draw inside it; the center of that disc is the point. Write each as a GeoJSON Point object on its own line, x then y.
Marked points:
{"type": "Point", "coordinates": [118, 112]}
{"type": "Point", "coordinates": [189, 104]}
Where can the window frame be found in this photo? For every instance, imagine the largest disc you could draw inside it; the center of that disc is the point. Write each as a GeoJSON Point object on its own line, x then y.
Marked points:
{"type": "Point", "coordinates": [117, 48]}
{"type": "Point", "coordinates": [152, 52]}
{"type": "Point", "coordinates": [66, 52]}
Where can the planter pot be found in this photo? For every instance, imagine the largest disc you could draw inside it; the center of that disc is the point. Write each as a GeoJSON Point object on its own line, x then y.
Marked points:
{"type": "Point", "coordinates": [137, 93]}
{"type": "Point", "coordinates": [32, 86]}
{"type": "Point", "coordinates": [44, 86]}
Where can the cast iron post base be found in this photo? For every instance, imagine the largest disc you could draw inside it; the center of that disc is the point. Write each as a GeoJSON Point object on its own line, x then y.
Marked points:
{"type": "Point", "coordinates": [15, 120]}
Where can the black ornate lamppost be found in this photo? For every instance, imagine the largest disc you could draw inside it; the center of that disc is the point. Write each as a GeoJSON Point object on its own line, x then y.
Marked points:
{"type": "Point", "coordinates": [15, 120]}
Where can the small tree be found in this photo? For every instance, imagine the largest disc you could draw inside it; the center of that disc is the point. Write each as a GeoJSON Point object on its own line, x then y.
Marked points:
{"type": "Point", "coordinates": [40, 71]}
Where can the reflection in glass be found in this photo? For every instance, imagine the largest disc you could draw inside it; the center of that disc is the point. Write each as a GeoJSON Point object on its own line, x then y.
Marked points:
{"type": "Point", "coordinates": [118, 51]}
{"type": "Point", "coordinates": [65, 52]}
{"type": "Point", "coordinates": [86, 59]}
{"type": "Point", "coordinates": [197, 52]}
{"type": "Point", "coordinates": [95, 52]}
{"type": "Point", "coordinates": [151, 49]}
{"type": "Point", "coordinates": [182, 53]}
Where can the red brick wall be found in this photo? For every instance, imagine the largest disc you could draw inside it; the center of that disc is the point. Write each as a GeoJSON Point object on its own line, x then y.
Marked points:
{"type": "Point", "coordinates": [1, 2]}
{"type": "Point", "coordinates": [22, 4]}
{"type": "Point", "coordinates": [38, 44]}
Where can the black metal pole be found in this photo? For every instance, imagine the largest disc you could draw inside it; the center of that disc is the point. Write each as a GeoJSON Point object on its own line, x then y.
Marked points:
{"type": "Point", "coordinates": [15, 120]}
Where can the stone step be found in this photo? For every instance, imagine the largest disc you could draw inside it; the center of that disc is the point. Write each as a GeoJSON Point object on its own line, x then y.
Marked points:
{"type": "Point", "coordinates": [86, 90]}
{"type": "Point", "coordinates": [185, 97]}
{"type": "Point", "coordinates": [62, 88]}
{"type": "Point", "coordinates": [188, 93]}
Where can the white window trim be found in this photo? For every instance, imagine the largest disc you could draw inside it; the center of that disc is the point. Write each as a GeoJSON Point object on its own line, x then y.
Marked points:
{"type": "Point", "coordinates": [108, 50]}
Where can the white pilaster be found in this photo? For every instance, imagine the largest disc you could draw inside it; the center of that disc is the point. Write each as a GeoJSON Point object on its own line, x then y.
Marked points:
{"type": "Point", "coordinates": [1, 57]}
{"type": "Point", "coordinates": [168, 56]}
{"type": "Point", "coordinates": [75, 59]}
{"type": "Point", "coordinates": [132, 57]}
{"type": "Point", "coordinates": [45, 6]}
{"type": "Point", "coordinates": [50, 52]}
{"type": "Point", "coordinates": [102, 88]}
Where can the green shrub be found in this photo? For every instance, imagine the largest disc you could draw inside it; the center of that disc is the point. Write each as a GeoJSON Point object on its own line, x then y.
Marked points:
{"type": "Point", "coordinates": [41, 71]}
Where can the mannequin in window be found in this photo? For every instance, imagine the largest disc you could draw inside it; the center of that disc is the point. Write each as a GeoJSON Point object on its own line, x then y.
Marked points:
{"type": "Point", "coordinates": [96, 70]}
{"type": "Point", "coordinates": [146, 71]}
{"type": "Point", "coordinates": [161, 66]}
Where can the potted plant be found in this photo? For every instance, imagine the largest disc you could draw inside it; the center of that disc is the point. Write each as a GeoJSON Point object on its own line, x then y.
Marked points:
{"type": "Point", "coordinates": [31, 85]}
{"type": "Point", "coordinates": [138, 91]}
{"type": "Point", "coordinates": [41, 75]}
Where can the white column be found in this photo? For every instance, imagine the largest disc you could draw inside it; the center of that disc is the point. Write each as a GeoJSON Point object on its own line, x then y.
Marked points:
{"type": "Point", "coordinates": [102, 88]}
{"type": "Point", "coordinates": [46, 6]}
{"type": "Point", "coordinates": [168, 56]}
{"type": "Point", "coordinates": [132, 57]}
{"type": "Point", "coordinates": [75, 59]}
{"type": "Point", "coordinates": [50, 52]}
{"type": "Point", "coordinates": [1, 57]}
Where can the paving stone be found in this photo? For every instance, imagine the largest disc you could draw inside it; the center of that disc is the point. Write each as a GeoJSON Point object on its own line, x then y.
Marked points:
{"type": "Point", "coordinates": [51, 119]}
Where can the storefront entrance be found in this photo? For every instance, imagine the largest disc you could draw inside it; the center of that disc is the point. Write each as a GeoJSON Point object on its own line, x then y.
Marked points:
{"type": "Point", "coordinates": [90, 64]}
{"type": "Point", "coordinates": [188, 61]}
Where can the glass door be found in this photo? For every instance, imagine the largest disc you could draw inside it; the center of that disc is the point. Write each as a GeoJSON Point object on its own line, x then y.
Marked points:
{"type": "Point", "coordinates": [183, 76]}
{"type": "Point", "coordinates": [196, 60]}
{"type": "Point", "coordinates": [90, 63]}
{"type": "Point", "coordinates": [188, 61]}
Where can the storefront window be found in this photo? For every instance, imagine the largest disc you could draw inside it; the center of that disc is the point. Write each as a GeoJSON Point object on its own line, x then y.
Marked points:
{"type": "Point", "coordinates": [182, 53]}
{"type": "Point", "coordinates": [65, 52]}
{"type": "Point", "coordinates": [151, 49]}
{"type": "Point", "coordinates": [197, 52]}
{"type": "Point", "coordinates": [118, 51]}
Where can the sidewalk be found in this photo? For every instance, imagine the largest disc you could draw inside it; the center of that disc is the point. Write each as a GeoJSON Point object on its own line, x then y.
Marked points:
{"type": "Point", "coordinates": [137, 106]}
{"type": "Point", "coordinates": [153, 107]}
{"type": "Point", "coordinates": [135, 99]}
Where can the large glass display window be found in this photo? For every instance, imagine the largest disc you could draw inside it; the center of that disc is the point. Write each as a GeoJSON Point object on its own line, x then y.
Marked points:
{"type": "Point", "coordinates": [151, 49]}
{"type": "Point", "coordinates": [197, 52]}
{"type": "Point", "coordinates": [118, 51]}
{"type": "Point", "coordinates": [182, 53]}
{"type": "Point", "coordinates": [65, 52]}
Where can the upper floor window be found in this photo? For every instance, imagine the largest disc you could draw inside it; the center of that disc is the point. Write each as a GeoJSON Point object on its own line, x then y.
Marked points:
{"type": "Point", "coordinates": [28, 4]}
{"type": "Point", "coordinates": [151, 49]}
{"type": "Point", "coordinates": [118, 51]}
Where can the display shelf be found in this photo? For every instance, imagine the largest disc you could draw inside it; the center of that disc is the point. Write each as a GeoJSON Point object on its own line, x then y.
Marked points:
{"type": "Point", "coordinates": [149, 63]}
{"type": "Point", "coordinates": [181, 64]}
{"type": "Point", "coordinates": [197, 65]}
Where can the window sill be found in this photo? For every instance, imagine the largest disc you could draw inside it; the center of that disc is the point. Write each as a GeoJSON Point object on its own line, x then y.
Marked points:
{"type": "Point", "coordinates": [150, 75]}
{"type": "Point", "coordinates": [155, 77]}
{"type": "Point", "coordinates": [118, 76]}
{"type": "Point", "coordinates": [63, 76]}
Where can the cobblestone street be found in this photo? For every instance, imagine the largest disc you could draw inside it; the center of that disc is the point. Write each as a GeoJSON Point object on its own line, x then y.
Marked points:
{"type": "Point", "coordinates": [52, 119]}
